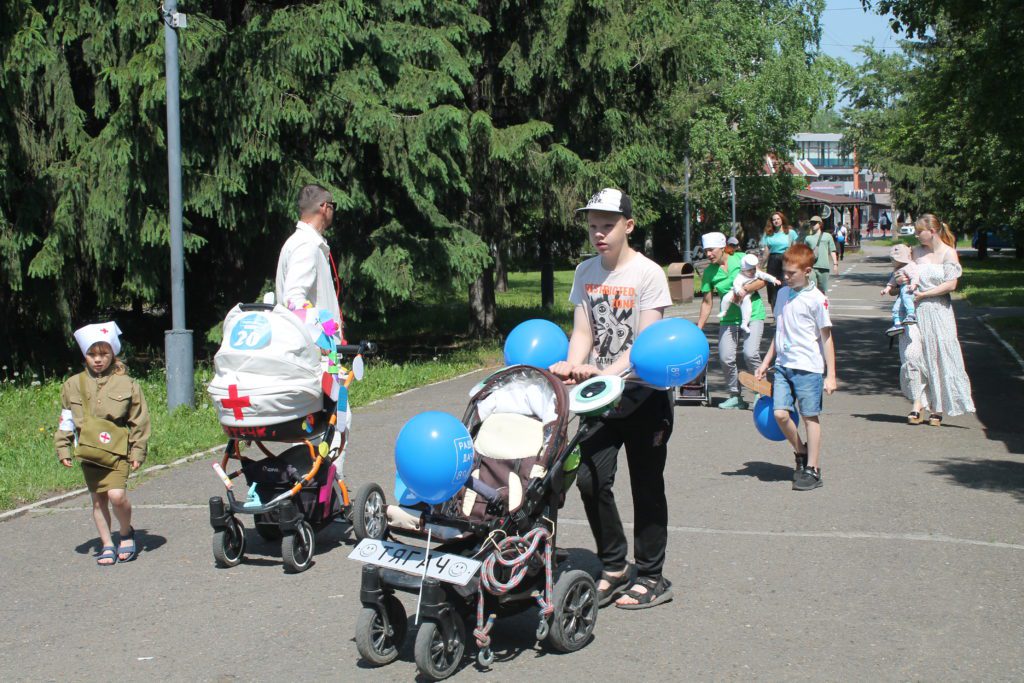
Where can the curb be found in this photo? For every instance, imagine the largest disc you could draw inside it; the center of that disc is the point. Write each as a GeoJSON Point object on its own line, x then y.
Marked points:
{"type": "Point", "coordinates": [1006, 344]}
{"type": "Point", "coordinates": [18, 512]}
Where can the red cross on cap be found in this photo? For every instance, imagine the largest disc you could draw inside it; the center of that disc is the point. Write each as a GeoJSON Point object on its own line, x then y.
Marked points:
{"type": "Point", "coordinates": [235, 402]}
{"type": "Point", "coordinates": [104, 330]}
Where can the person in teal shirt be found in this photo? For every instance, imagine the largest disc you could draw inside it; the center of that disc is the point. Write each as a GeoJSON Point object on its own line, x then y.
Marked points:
{"type": "Point", "coordinates": [778, 237]}
{"type": "Point", "coordinates": [717, 278]}
{"type": "Point", "coordinates": [825, 259]}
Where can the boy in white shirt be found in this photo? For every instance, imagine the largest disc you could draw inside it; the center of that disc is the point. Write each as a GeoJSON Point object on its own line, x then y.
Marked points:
{"type": "Point", "coordinates": [806, 362]}
{"type": "Point", "coordinates": [748, 273]}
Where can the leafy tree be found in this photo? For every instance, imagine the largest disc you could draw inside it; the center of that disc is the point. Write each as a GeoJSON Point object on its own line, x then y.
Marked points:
{"type": "Point", "coordinates": [940, 120]}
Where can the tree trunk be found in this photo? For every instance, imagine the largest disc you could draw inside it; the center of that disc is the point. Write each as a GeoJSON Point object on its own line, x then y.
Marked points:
{"type": "Point", "coordinates": [500, 272]}
{"type": "Point", "coordinates": [482, 309]}
{"type": "Point", "coordinates": [982, 245]}
{"type": "Point", "coordinates": [547, 272]}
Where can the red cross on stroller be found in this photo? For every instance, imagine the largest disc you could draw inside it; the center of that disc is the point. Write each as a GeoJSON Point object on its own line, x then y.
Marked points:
{"type": "Point", "coordinates": [272, 386]}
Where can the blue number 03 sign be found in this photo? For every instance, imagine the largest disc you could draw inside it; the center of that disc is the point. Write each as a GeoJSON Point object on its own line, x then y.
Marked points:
{"type": "Point", "coordinates": [251, 332]}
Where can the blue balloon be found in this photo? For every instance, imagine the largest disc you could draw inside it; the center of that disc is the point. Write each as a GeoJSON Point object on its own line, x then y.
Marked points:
{"type": "Point", "coordinates": [537, 342]}
{"type": "Point", "coordinates": [764, 419]}
{"type": "Point", "coordinates": [433, 456]}
{"type": "Point", "coordinates": [670, 353]}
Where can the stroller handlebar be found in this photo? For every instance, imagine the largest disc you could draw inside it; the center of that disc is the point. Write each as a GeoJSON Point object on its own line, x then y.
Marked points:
{"type": "Point", "coordinates": [366, 348]}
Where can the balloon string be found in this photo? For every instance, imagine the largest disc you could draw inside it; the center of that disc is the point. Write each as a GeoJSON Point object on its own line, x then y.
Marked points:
{"type": "Point", "coordinates": [426, 563]}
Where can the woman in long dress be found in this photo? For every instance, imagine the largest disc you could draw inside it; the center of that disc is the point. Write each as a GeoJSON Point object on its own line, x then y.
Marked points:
{"type": "Point", "coordinates": [932, 373]}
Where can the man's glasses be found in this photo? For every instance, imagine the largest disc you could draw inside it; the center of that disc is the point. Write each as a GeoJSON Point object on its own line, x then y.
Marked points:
{"type": "Point", "coordinates": [333, 205]}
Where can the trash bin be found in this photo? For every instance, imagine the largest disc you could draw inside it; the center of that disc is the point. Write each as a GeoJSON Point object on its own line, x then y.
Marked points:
{"type": "Point", "coordinates": [680, 282]}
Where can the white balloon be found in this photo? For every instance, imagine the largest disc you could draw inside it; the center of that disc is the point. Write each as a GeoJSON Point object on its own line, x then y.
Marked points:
{"type": "Point", "coordinates": [357, 368]}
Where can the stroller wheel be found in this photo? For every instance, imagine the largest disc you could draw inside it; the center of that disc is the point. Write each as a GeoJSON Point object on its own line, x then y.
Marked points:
{"type": "Point", "coordinates": [229, 544]}
{"type": "Point", "coordinates": [575, 616]}
{"type": "Point", "coordinates": [437, 657]}
{"type": "Point", "coordinates": [297, 548]}
{"type": "Point", "coordinates": [369, 513]}
{"type": "Point", "coordinates": [381, 633]}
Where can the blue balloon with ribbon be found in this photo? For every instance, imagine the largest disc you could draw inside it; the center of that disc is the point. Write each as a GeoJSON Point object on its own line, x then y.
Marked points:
{"type": "Point", "coordinates": [764, 419]}
{"type": "Point", "coordinates": [433, 458]}
{"type": "Point", "coordinates": [670, 353]}
{"type": "Point", "coordinates": [537, 342]}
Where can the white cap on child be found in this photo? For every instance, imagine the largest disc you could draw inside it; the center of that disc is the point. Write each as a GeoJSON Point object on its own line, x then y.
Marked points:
{"type": "Point", "coordinates": [100, 332]}
{"type": "Point", "coordinates": [749, 262]}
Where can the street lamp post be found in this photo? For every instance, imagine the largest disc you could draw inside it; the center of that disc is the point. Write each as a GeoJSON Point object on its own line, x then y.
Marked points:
{"type": "Point", "coordinates": [177, 340]}
{"type": "Point", "coordinates": [687, 254]}
{"type": "Point", "coordinates": [732, 190]}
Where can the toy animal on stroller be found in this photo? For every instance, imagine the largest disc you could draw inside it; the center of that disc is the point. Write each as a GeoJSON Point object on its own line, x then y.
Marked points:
{"type": "Point", "coordinates": [502, 523]}
{"type": "Point", "coordinates": [270, 387]}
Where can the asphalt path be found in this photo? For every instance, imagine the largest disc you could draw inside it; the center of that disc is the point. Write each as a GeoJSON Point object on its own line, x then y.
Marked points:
{"type": "Point", "coordinates": [906, 564]}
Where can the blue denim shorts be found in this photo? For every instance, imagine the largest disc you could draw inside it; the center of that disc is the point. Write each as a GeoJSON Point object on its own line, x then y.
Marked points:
{"type": "Point", "coordinates": [803, 387]}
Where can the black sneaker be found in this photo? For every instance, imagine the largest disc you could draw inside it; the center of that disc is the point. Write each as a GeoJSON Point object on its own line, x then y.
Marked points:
{"type": "Point", "coordinates": [806, 479]}
{"type": "Point", "coordinates": [801, 462]}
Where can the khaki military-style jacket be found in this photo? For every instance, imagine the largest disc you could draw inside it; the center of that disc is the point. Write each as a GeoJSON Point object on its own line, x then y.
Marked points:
{"type": "Point", "coordinates": [113, 397]}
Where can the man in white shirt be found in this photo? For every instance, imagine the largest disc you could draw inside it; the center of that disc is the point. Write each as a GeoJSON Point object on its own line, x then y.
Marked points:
{"type": "Point", "coordinates": [305, 270]}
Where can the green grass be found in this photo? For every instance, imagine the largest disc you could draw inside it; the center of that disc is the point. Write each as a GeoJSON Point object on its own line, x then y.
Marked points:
{"type": "Point", "coordinates": [29, 414]}
{"type": "Point", "coordinates": [993, 282]}
{"type": "Point", "coordinates": [889, 241]}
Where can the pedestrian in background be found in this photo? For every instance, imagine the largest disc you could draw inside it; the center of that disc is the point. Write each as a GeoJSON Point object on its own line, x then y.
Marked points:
{"type": "Point", "coordinates": [104, 422]}
{"type": "Point", "coordinates": [825, 259]}
{"type": "Point", "coordinates": [778, 236]}
{"type": "Point", "coordinates": [841, 240]}
{"type": "Point", "coordinates": [718, 278]}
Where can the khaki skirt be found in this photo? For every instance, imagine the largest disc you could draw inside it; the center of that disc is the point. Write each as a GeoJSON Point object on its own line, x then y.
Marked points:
{"type": "Point", "coordinates": [101, 480]}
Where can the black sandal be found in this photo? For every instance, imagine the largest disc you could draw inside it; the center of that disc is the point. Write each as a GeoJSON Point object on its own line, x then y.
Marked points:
{"type": "Point", "coordinates": [935, 419]}
{"type": "Point", "coordinates": [617, 585]}
{"type": "Point", "coordinates": [914, 418]}
{"type": "Point", "coordinates": [659, 590]}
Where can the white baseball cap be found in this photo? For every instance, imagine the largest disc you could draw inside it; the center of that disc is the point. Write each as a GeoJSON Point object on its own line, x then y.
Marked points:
{"type": "Point", "coordinates": [611, 200]}
{"type": "Point", "coordinates": [713, 240]}
{"type": "Point", "coordinates": [749, 262]}
{"type": "Point", "coordinates": [733, 241]}
{"type": "Point", "coordinates": [100, 332]}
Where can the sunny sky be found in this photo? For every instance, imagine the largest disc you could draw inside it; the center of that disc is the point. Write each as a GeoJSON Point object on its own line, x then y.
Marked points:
{"type": "Point", "coordinates": [847, 25]}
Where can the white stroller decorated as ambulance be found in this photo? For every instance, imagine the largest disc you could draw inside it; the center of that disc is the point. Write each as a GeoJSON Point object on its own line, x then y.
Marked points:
{"type": "Point", "coordinates": [280, 380]}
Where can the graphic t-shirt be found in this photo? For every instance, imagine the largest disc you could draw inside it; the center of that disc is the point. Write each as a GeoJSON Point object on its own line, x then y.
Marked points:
{"type": "Point", "coordinates": [719, 280]}
{"type": "Point", "coordinates": [614, 300]}
{"type": "Point", "coordinates": [800, 316]}
{"type": "Point", "coordinates": [779, 242]}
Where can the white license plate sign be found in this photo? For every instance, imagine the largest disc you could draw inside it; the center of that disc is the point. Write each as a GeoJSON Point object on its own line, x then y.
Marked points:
{"type": "Point", "coordinates": [410, 559]}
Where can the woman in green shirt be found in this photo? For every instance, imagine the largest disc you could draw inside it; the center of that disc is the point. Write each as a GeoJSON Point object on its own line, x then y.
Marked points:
{"type": "Point", "coordinates": [778, 237]}
{"type": "Point", "coordinates": [718, 278]}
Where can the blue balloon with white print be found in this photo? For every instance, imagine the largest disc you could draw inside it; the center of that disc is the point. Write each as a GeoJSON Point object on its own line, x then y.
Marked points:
{"type": "Point", "coordinates": [433, 456]}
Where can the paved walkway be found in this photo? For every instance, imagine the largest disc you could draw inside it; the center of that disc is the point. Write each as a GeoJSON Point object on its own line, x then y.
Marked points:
{"type": "Point", "coordinates": [905, 565]}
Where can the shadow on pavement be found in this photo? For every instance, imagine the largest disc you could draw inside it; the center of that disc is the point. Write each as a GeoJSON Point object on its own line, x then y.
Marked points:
{"type": "Point", "coordinates": [764, 471]}
{"type": "Point", "coordinates": [899, 419]}
{"type": "Point", "coordinates": [144, 541]}
{"type": "Point", "coordinates": [1000, 476]}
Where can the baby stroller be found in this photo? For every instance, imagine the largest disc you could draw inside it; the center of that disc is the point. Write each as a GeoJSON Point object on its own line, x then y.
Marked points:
{"type": "Point", "coordinates": [497, 534]}
{"type": "Point", "coordinates": [269, 387]}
